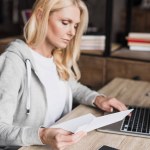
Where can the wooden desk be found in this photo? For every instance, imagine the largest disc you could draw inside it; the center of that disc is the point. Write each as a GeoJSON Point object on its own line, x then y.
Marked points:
{"type": "Point", "coordinates": [128, 91]}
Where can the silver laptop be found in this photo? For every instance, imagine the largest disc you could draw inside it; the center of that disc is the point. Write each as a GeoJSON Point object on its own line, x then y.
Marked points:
{"type": "Point", "coordinates": [138, 124]}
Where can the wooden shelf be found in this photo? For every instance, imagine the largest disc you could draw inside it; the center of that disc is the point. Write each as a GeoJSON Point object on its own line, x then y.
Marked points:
{"type": "Point", "coordinates": [92, 52]}
{"type": "Point", "coordinates": [125, 53]}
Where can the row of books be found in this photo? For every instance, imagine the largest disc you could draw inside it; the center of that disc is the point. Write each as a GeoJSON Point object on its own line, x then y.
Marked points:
{"type": "Point", "coordinates": [93, 42]}
{"type": "Point", "coordinates": [139, 41]}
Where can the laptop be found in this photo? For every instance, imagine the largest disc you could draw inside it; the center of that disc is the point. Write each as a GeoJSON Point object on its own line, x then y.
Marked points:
{"type": "Point", "coordinates": [138, 124]}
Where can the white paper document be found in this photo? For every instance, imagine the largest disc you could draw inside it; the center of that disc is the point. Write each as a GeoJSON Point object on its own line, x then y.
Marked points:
{"type": "Point", "coordinates": [89, 122]}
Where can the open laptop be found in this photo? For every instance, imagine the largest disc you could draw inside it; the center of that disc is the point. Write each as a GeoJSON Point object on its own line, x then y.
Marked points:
{"type": "Point", "coordinates": [138, 124]}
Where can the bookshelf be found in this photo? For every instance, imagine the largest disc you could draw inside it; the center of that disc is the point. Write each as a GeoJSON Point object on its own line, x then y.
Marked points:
{"type": "Point", "coordinates": [119, 63]}
{"type": "Point", "coordinates": [11, 23]}
{"type": "Point", "coordinates": [107, 30]}
{"type": "Point", "coordinates": [137, 20]}
{"type": "Point", "coordinates": [108, 23]}
{"type": "Point", "coordinates": [124, 62]}
{"type": "Point", "coordinates": [93, 73]}
{"type": "Point", "coordinates": [99, 67]}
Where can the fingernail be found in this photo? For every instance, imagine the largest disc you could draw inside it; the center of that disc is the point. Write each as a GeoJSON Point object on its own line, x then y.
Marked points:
{"type": "Point", "coordinates": [111, 110]}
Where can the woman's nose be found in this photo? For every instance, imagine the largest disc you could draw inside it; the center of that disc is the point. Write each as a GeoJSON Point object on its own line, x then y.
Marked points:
{"type": "Point", "coordinates": [72, 31]}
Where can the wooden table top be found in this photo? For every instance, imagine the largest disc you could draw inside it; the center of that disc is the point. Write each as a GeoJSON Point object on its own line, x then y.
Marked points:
{"type": "Point", "coordinates": [126, 90]}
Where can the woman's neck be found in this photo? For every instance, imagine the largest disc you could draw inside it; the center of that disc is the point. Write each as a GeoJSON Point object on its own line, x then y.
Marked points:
{"type": "Point", "coordinates": [44, 49]}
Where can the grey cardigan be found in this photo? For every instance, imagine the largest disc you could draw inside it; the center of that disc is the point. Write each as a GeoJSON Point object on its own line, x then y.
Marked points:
{"type": "Point", "coordinates": [17, 126]}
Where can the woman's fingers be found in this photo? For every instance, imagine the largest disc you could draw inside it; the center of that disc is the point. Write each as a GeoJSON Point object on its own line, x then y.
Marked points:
{"type": "Point", "coordinates": [117, 104]}
{"type": "Point", "coordinates": [108, 104]}
{"type": "Point", "coordinates": [65, 140]}
{"type": "Point", "coordinates": [67, 137]}
{"type": "Point", "coordinates": [59, 138]}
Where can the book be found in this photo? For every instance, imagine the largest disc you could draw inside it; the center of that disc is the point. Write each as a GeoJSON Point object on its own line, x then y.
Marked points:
{"type": "Point", "coordinates": [92, 42]}
{"type": "Point", "coordinates": [139, 44]}
{"type": "Point", "coordinates": [94, 47]}
{"type": "Point", "coordinates": [138, 40]}
{"type": "Point", "coordinates": [139, 35]}
{"type": "Point", "coordinates": [139, 48]}
{"type": "Point", "coordinates": [93, 37]}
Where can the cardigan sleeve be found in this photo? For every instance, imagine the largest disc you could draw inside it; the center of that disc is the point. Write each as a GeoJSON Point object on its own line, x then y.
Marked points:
{"type": "Point", "coordinates": [83, 94]}
{"type": "Point", "coordinates": [11, 77]}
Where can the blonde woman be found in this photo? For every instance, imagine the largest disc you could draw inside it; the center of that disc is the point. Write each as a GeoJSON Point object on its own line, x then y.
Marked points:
{"type": "Point", "coordinates": [39, 77]}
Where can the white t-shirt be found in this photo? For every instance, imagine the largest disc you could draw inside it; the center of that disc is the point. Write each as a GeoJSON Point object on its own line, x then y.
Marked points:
{"type": "Point", "coordinates": [56, 89]}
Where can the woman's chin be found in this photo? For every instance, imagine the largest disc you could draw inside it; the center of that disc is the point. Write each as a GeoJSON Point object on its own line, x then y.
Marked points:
{"type": "Point", "coordinates": [62, 46]}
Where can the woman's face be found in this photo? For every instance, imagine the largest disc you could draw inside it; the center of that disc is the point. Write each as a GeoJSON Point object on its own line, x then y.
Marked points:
{"type": "Point", "coordinates": [62, 26]}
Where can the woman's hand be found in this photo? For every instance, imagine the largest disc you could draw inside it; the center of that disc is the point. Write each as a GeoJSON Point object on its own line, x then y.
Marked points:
{"type": "Point", "coordinates": [59, 139]}
{"type": "Point", "coordinates": [108, 104]}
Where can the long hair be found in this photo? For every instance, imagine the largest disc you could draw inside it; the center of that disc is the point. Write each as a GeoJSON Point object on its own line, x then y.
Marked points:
{"type": "Point", "coordinates": [35, 33]}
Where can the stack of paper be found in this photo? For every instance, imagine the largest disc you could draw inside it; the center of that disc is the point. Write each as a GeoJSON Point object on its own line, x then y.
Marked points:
{"type": "Point", "coordinates": [89, 122]}
{"type": "Point", "coordinates": [93, 42]}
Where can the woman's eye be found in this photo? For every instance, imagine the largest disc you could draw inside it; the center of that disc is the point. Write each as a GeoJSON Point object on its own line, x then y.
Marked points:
{"type": "Point", "coordinates": [64, 22]}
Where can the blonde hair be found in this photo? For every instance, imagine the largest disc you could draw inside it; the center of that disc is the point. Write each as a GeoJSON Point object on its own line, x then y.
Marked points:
{"type": "Point", "coordinates": [35, 33]}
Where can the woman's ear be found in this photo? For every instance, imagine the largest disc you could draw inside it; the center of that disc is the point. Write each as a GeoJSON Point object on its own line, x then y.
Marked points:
{"type": "Point", "coordinates": [39, 14]}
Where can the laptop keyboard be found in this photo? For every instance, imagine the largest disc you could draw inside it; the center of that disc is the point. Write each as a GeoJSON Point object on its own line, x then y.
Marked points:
{"type": "Point", "coordinates": [138, 122]}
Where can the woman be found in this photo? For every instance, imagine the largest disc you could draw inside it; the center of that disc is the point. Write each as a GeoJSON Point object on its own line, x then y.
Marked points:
{"type": "Point", "coordinates": [39, 77]}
